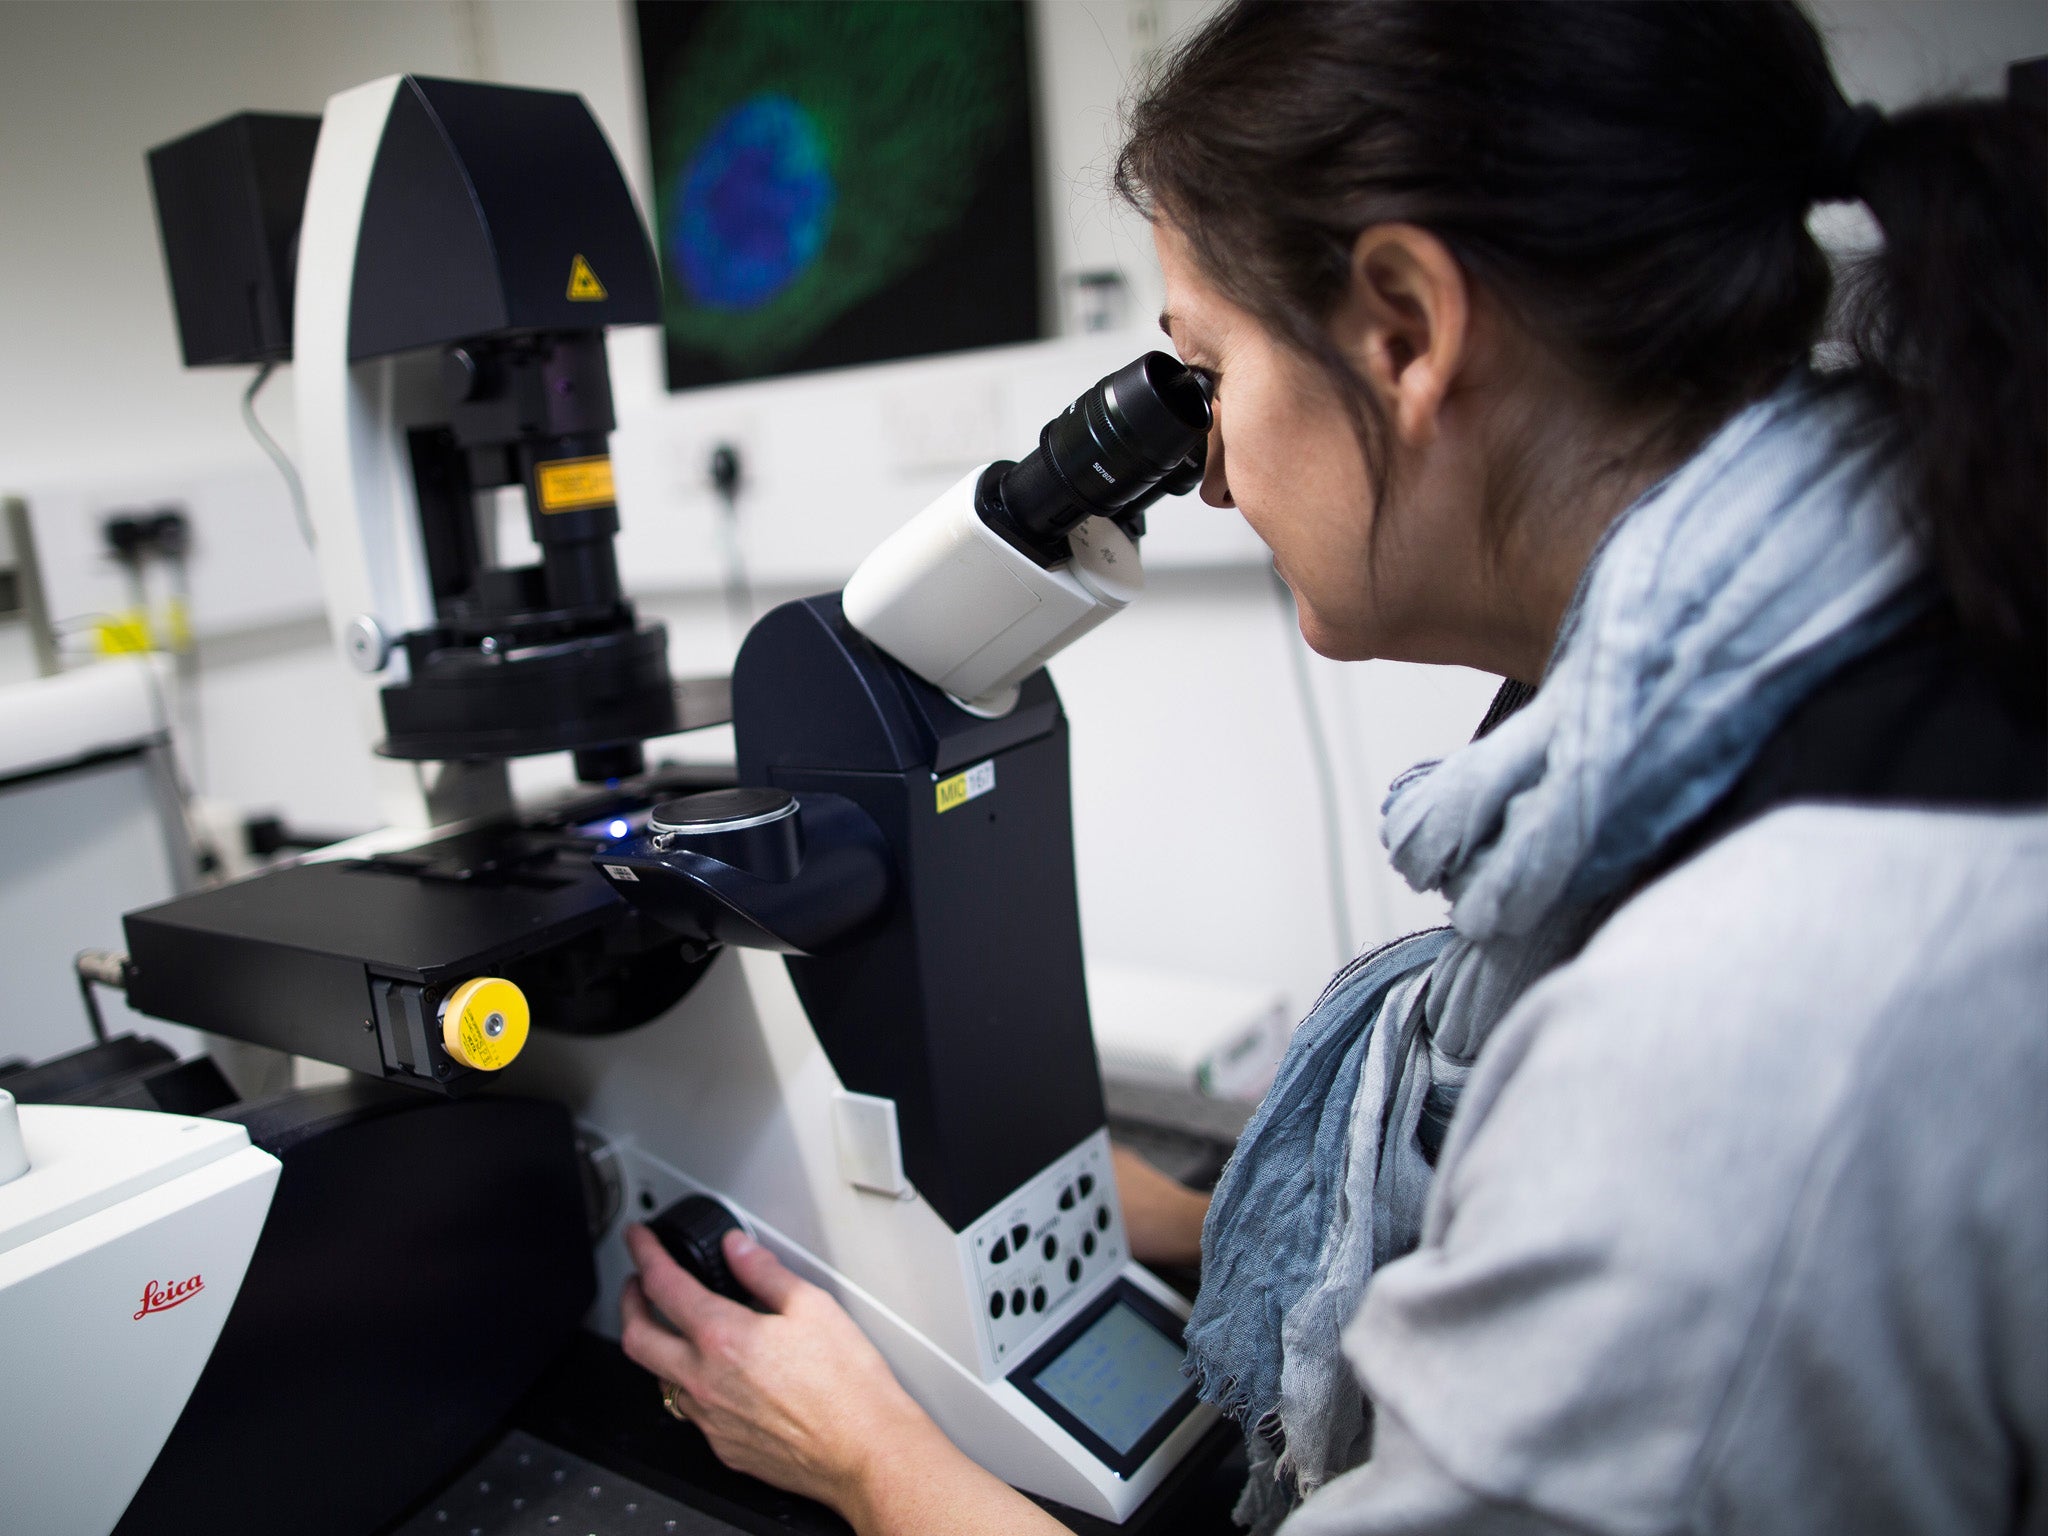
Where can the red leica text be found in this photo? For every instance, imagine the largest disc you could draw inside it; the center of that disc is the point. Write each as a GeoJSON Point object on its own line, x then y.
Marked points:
{"type": "Point", "coordinates": [161, 1296]}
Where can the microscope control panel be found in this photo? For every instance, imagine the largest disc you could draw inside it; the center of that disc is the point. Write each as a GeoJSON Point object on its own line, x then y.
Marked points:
{"type": "Point", "coordinates": [1037, 1256]}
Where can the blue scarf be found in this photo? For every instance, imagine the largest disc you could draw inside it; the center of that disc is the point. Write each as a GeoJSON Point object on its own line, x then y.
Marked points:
{"type": "Point", "coordinates": [1713, 606]}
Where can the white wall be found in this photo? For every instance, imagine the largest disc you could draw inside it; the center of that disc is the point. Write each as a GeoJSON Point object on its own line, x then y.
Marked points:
{"type": "Point", "coordinates": [1199, 836]}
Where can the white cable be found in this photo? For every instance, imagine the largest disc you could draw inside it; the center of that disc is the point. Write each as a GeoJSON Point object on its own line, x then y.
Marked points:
{"type": "Point", "coordinates": [278, 456]}
{"type": "Point", "coordinates": [1326, 777]}
{"type": "Point", "coordinates": [738, 585]}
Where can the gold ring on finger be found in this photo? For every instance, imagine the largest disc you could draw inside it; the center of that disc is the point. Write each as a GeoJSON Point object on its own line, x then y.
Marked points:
{"type": "Point", "coordinates": [671, 1395]}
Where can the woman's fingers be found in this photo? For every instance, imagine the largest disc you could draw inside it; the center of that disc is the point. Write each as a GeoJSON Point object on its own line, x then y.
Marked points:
{"type": "Point", "coordinates": [646, 1342]}
{"type": "Point", "coordinates": [773, 1284]}
{"type": "Point", "coordinates": [796, 1394]}
{"type": "Point", "coordinates": [694, 1310]}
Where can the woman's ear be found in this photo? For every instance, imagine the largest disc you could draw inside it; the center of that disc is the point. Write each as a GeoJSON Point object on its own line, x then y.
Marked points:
{"type": "Point", "coordinates": [1405, 324]}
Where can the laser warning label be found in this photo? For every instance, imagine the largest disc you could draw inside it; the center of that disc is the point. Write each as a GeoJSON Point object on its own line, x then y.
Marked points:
{"type": "Point", "coordinates": [584, 287]}
{"type": "Point", "coordinates": [570, 485]}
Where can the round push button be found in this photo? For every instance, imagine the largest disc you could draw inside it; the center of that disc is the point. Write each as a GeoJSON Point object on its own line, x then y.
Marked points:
{"type": "Point", "coordinates": [1017, 1300]}
{"type": "Point", "coordinates": [1038, 1298]}
{"type": "Point", "coordinates": [995, 1305]}
{"type": "Point", "coordinates": [1073, 1270]}
{"type": "Point", "coordinates": [1102, 1218]}
{"type": "Point", "coordinates": [1051, 1247]}
{"type": "Point", "coordinates": [1088, 1244]}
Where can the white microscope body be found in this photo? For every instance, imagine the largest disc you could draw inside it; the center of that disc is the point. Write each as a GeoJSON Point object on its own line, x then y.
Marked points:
{"type": "Point", "coordinates": [952, 1187]}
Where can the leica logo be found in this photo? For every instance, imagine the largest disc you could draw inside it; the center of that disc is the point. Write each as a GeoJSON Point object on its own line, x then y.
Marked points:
{"type": "Point", "coordinates": [159, 1297]}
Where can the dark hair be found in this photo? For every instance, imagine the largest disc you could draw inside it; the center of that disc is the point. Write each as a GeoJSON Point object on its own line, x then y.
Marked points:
{"type": "Point", "coordinates": [1631, 180]}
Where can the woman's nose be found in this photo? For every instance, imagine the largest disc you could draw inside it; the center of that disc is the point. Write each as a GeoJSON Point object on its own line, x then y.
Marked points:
{"type": "Point", "coordinates": [1215, 483]}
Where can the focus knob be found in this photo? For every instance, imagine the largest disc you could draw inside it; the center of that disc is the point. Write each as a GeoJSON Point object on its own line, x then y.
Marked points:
{"type": "Point", "coordinates": [693, 1231]}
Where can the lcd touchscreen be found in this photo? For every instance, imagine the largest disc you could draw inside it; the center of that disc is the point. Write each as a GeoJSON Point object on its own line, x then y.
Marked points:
{"type": "Point", "coordinates": [1117, 1378]}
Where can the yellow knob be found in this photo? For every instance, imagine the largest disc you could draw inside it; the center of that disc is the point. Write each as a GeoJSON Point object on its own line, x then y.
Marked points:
{"type": "Point", "coordinates": [483, 1023]}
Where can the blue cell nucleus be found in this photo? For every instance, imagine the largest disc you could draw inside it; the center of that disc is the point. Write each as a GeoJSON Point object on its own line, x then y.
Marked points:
{"type": "Point", "coordinates": [755, 206]}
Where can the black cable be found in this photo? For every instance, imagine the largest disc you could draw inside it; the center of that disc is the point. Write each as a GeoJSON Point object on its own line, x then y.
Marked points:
{"type": "Point", "coordinates": [184, 791]}
{"type": "Point", "coordinates": [1326, 777]}
{"type": "Point", "coordinates": [726, 476]}
{"type": "Point", "coordinates": [102, 967]}
{"type": "Point", "coordinates": [185, 659]}
{"type": "Point", "coordinates": [92, 1009]}
{"type": "Point", "coordinates": [277, 455]}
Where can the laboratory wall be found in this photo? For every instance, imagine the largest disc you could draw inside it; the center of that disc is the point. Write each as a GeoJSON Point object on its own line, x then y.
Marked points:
{"type": "Point", "coordinates": [1205, 837]}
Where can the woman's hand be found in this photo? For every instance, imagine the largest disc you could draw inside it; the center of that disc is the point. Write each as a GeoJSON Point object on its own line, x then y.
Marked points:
{"type": "Point", "coordinates": [798, 1397]}
{"type": "Point", "coordinates": [1162, 1218]}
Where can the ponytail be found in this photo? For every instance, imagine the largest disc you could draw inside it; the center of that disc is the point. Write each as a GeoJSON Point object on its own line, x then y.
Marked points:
{"type": "Point", "coordinates": [1949, 323]}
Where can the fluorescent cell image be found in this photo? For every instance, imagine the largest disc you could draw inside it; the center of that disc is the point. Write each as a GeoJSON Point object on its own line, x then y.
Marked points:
{"type": "Point", "coordinates": [839, 184]}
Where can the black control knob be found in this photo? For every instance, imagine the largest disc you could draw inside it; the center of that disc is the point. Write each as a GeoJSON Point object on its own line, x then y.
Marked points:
{"type": "Point", "coordinates": [693, 1231]}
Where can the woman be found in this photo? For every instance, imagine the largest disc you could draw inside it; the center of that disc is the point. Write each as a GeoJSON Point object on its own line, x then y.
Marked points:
{"type": "Point", "coordinates": [1738, 1223]}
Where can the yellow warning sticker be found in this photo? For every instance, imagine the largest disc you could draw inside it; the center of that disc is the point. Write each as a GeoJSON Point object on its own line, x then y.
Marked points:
{"type": "Point", "coordinates": [125, 634]}
{"type": "Point", "coordinates": [570, 485]}
{"type": "Point", "coordinates": [963, 787]}
{"type": "Point", "coordinates": [584, 287]}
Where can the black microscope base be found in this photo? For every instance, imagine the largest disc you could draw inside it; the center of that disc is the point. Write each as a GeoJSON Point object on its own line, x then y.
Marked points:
{"type": "Point", "coordinates": [596, 1418]}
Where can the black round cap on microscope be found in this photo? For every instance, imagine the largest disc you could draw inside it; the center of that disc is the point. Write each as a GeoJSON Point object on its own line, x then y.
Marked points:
{"type": "Point", "coordinates": [715, 809]}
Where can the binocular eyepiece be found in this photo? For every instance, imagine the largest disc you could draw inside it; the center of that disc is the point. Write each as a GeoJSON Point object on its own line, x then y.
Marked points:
{"type": "Point", "coordinates": [1139, 434]}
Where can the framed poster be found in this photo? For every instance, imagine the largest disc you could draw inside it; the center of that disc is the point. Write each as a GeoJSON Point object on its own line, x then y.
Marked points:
{"type": "Point", "coordinates": [839, 183]}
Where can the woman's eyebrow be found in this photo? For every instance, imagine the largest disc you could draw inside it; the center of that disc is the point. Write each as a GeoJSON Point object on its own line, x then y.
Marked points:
{"type": "Point", "coordinates": [1166, 321]}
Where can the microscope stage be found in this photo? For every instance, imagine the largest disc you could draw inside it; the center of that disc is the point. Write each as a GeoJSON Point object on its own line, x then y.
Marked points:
{"type": "Point", "coordinates": [348, 961]}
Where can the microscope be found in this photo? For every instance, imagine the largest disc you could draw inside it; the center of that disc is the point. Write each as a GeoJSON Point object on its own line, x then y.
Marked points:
{"type": "Point", "coordinates": [906, 1105]}
{"type": "Point", "coordinates": [834, 996]}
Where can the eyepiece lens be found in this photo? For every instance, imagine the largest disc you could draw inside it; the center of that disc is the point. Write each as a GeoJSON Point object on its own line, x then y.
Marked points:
{"type": "Point", "coordinates": [1115, 448]}
{"type": "Point", "coordinates": [1172, 394]}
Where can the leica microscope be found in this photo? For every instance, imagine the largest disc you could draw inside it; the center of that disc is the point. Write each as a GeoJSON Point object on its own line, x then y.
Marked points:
{"type": "Point", "coordinates": [837, 998]}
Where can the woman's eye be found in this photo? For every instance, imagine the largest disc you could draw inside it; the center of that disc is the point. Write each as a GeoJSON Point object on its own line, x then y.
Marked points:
{"type": "Point", "coordinates": [1211, 380]}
